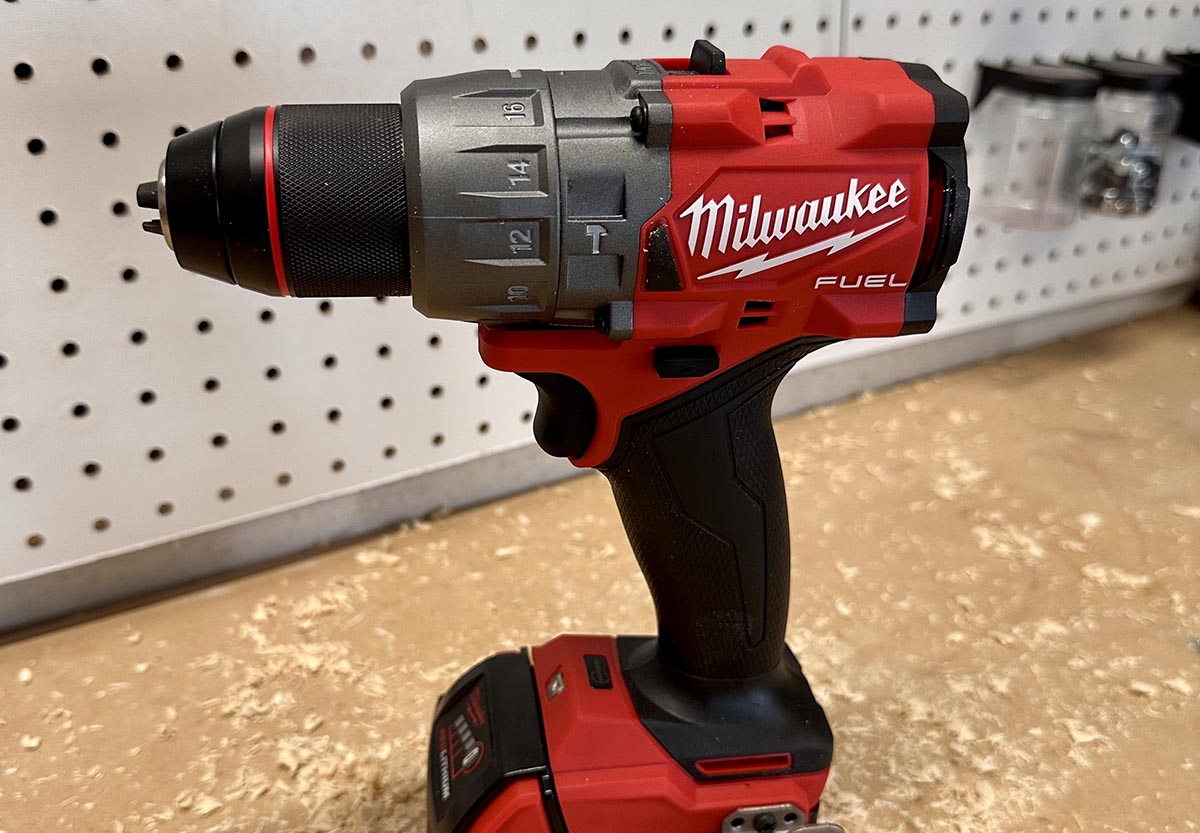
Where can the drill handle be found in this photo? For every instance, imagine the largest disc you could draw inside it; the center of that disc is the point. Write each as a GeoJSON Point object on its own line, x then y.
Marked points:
{"type": "Point", "coordinates": [698, 483]}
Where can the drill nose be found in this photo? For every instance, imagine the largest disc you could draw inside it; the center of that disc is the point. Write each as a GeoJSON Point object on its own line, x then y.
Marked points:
{"type": "Point", "coordinates": [147, 195]}
{"type": "Point", "coordinates": [294, 200]}
{"type": "Point", "coordinates": [153, 195]}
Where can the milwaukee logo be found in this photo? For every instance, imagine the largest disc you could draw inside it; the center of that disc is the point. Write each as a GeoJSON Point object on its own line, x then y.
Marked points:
{"type": "Point", "coordinates": [723, 225]}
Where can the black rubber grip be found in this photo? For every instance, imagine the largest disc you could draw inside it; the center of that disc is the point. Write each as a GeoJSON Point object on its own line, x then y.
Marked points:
{"type": "Point", "coordinates": [700, 490]}
{"type": "Point", "coordinates": [343, 219]}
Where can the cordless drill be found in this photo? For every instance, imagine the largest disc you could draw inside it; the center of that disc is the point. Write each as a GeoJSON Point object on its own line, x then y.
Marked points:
{"type": "Point", "coordinates": [653, 245]}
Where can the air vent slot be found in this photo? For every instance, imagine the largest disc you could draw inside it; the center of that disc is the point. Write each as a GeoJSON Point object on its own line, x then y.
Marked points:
{"type": "Point", "coordinates": [756, 314]}
{"type": "Point", "coordinates": [777, 121]}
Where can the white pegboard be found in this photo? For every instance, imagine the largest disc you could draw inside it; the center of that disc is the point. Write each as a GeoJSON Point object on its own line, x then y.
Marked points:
{"type": "Point", "coordinates": [92, 91]}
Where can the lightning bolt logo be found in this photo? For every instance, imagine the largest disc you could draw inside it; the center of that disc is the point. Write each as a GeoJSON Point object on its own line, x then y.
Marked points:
{"type": "Point", "coordinates": [831, 245]}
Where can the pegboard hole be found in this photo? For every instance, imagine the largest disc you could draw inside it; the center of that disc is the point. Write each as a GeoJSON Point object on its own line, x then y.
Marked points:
{"type": "Point", "coordinates": [101, 524]}
{"type": "Point", "coordinates": [91, 468]}
{"type": "Point", "coordinates": [526, 416]}
{"type": "Point", "coordinates": [69, 349]}
{"type": "Point", "coordinates": [330, 361]}
{"type": "Point", "coordinates": [389, 451]}
{"type": "Point", "coordinates": [36, 146]}
{"type": "Point", "coordinates": [120, 208]}
{"type": "Point", "coordinates": [35, 540]}
{"type": "Point", "coordinates": [384, 351]}
{"type": "Point", "coordinates": [173, 62]}
{"type": "Point", "coordinates": [148, 397]}
{"type": "Point", "coordinates": [278, 426]}
{"type": "Point", "coordinates": [483, 427]}
{"type": "Point", "coordinates": [338, 464]}
{"type": "Point", "coordinates": [334, 415]}
{"type": "Point", "coordinates": [857, 23]}
{"type": "Point", "coordinates": [3, 361]}
{"type": "Point", "coordinates": [129, 274]}
{"type": "Point", "coordinates": [80, 410]}
{"type": "Point", "coordinates": [482, 380]}
{"type": "Point", "coordinates": [1014, 16]}
{"type": "Point", "coordinates": [425, 47]}
{"type": "Point", "coordinates": [985, 17]}
{"type": "Point", "coordinates": [955, 18]}
{"type": "Point", "coordinates": [283, 478]}
{"type": "Point", "coordinates": [272, 373]}
{"type": "Point", "coordinates": [748, 28]}
{"type": "Point", "coordinates": [480, 45]}
{"type": "Point", "coordinates": [266, 316]}
{"type": "Point", "coordinates": [369, 51]}
{"type": "Point", "coordinates": [225, 493]}
{"type": "Point", "coordinates": [822, 24]}
{"type": "Point", "coordinates": [435, 341]}
{"type": "Point", "coordinates": [59, 285]}
{"type": "Point", "coordinates": [386, 403]}
{"type": "Point", "coordinates": [101, 66]}
{"type": "Point", "coordinates": [436, 391]}
{"type": "Point", "coordinates": [155, 454]}
{"type": "Point", "coordinates": [580, 39]}
{"type": "Point", "coordinates": [668, 34]}
{"type": "Point", "coordinates": [531, 42]}
{"type": "Point", "coordinates": [892, 20]}
{"type": "Point", "coordinates": [241, 58]}
{"type": "Point", "coordinates": [307, 55]}
{"type": "Point", "coordinates": [325, 307]}
{"type": "Point", "coordinates": [22, 484]}
{"type": "Point", "coordinates": [438, 439]}
{"type": "Point", "coordinates": [166, 507]}
{"type": "Point", "coordinates": [923, 19]}
{"type": "Point", "coordinates": [785, 26]}
{"type": "Point", "coordinates": [138, 337]}
{"type": "Point", "coordinates": [10, 424]}
{"type": "Point", "coordinates": [179, 130]}
{"type": "Point", "coordinates": [23, 71]}
{"type": "Point", "coordinates": [219, 440]}
{"type": "Point", "coordinates": [109, 139]}
{"type": "Point", "coordinates": [48, 217]}
{"type": "Point", "coordinates": [204, 326]}
{"type": "Point", "coordinates": [1072, 13]}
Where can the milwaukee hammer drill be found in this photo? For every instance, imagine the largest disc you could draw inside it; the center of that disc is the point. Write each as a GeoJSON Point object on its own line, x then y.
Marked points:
{"type": "Point", "coordinates": [653, 245]}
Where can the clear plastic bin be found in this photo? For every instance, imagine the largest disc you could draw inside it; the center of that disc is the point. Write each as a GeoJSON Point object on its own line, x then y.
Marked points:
{"type": "Point", "coordinates": [1030, 135]}
{"type": "Point", "coordinates": [1136, 112]}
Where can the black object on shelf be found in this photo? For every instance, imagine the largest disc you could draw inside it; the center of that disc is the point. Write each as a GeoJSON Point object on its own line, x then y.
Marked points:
{"type": "Point", "coordinates": [1188, 64]}
{"type": "Point", "coordinates": [1052, 80]}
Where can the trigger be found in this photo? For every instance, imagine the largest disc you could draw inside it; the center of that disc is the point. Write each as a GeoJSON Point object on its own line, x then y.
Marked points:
{"type": "Point", "coordinates": [566, 414]}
